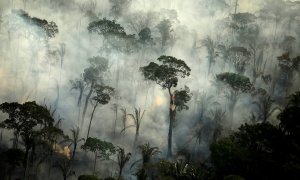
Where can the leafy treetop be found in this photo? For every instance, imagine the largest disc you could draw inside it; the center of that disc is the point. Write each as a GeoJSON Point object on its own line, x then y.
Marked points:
{"type": "Point", "coordinates": [103, 149]}
{"type": "Point", "coordinates": [98, 65]}
{"type": "Point", "coordinates": [235, 81]}
{"type": "Point", "coordinates": [289, 117]}
{"type": "Point", "coordinates": [106, 27]}
{"type": "Point", "coordinates": [50, 28]}
{"type": "Point", "coordinates": [25, 116]}
{"type": "Point", "coordinates": [181, 98]}
{"type": "Point", "coordinates": [103, 94]}
{"type": "Point", "coordinates": [166, 74]}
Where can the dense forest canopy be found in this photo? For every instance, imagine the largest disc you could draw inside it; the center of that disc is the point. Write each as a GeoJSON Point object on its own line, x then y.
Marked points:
{"type": "Point", "coordinates": [135, 89]}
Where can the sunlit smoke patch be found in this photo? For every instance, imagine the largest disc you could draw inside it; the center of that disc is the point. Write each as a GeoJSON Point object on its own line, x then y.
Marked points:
{"type": "Point", "coordinates": [158, 101]}
{"type": "Point", "coordinates": [248, 6]}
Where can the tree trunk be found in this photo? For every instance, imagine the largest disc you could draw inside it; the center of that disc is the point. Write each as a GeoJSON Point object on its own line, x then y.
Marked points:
{"type": "Point", "coordinates": [231, 109]}
{"type": "Point", "coordinates": [87, 136]}
{"type": "Point", "coordinates": [74, 151]}
{"type": "Point", "coordinates": [171, 115]}
{"type": "Point", "coordinates": [236, 4]}
{"type": "Point", "coordinates": [86, 102]}
{"type": "Point", "coordinates": [120, 173]}
{"type": "Point", "coordinates": [137, 133]}
{"type": "Point", "coordinates": [26, 163]}
{"type": "Point", "coordinates": [116, 118]}
{"type": "Point", "coordinates": [94, 168]}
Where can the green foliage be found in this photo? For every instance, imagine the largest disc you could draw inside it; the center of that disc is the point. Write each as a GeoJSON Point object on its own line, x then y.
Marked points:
{"type": "Point", "coordinates": [114, 34]}
{"type": "Point", "coordinates": [288, 64]}
{"type": "Point", "coordinates": [94, 73]}
{"type": "Point", "coordinates": [103, 149]}
{"type": "Point", "coordinates": [243, 18]}
{"type": "Point", "coordinates": [23, 118]}
{"type": "Point", "coordinates": [257, 137]}
{"type": "Point", "coordinates": [103, 94]}
{"type": "Point", "coordinates": [122, 160]}
{"type": "Point", "coordinates": [262, 151]}
{"type": "Point", "coordinates": [145, 35]}
{"type": "Point", "coordinates": [228, 157]}
{"type": "Point", "coordinates": [147, 152]}
{"type": "Point", "coordinates": [25, 115]}
{"type": "Point", "coordinates": [88, 177]}
{"type": "Point", "coordinates": [166, 74]}
{"type": "Point", "coordinates": [181, 170]}
{"type": "Point", "coordinates": [13, 157]}
{"type": "Point", "coordinates": [10, 160]}
{"type": "Point", "coordinates": [289, 117]}
{"type": "Point", "coordinates": [106, 27]}
{"type": "Point", "coordinates": [181, 98]}
{"type": "Point", "coordinates": [236, 82]}
{"type": "Point", "coordinates": [49, 28]}
{"type": "Point", "coordinates": [165, 29]}
{"type": "Point", "coordinates": [79, 85]}
{"type": "Point", "coordinates": [137, 117]}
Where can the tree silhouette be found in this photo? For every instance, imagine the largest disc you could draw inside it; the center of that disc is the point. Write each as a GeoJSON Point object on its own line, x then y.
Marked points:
{"type": "Point", "coordinates": [289, 117]}
{"type": "Point", "coordinates": [101, 149]}
{"type": "Point", "coordinates": [114, 35]}
{"type": "Point", "coordinates": [265, 104]}
{"type": "Point", "coordinates": [145, 35]}
{"type": "Point", "coordinates": [74, 140]}
{"type": "Point", "coordinates": [24, 117]}
{"type": "Point", "coordinates": [49, 29]}
{"type": "Point", "coordinates": [103, 96]}
{"type": "Point", "coordinates": [92, 76]}
{"type": "Point", "coordinates": [166, 75]}
{"type": "Point", "coordinates": [211, 47]}
{"type": "Point", "coordinates": [12, 158]}
{"type": "Point", "coordinates": [64, 165]}
{"type": "Point", "coordinates": [147, 153]}
{"type": "Point", "coordinates": [122, 160]}
{"type": "Point", "coordinates": [79, 85]}
{"type": "Point", "coordinates": [237, 85]}
{"type": "Point", "coordinates": [165, 30]}
{"type": "Point", "coordinates": [137, 119]}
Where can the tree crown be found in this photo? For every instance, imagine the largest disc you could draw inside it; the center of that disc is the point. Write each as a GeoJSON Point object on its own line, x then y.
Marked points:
{"type": "Point", "coordinates": [166, 74]}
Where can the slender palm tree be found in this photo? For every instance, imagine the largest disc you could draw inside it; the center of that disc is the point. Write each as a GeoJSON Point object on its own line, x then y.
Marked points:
{"type": "Point", "coordinates": [122, 160]}
{"type": "Point", "coordinates": [137, 118]}
{"type": "Point", "coordinates": [124, 120]}
{"type": "Point", "coordinates": [147, 153]}
{"type": "Point", "coordinates": [74, 140]}
{"type": "Point", "coordinates": [211, 47]}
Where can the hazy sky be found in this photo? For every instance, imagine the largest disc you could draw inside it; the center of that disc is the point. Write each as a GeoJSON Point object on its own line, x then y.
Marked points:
{"type": "Point", "coordinates": [28, 73]}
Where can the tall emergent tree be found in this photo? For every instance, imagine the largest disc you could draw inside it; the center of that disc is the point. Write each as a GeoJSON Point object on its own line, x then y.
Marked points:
{"type": "Point", "coordinates": [92, 76]}
{"type": "Point", "coordinates": [166, 75]}
{"type": "Point", "coordinates": [103, 96]}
